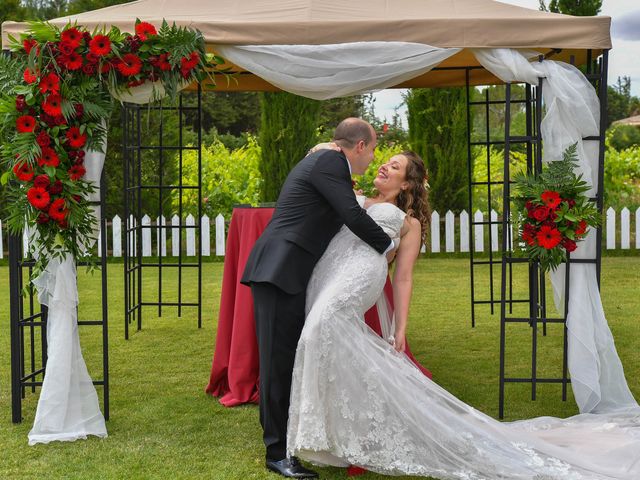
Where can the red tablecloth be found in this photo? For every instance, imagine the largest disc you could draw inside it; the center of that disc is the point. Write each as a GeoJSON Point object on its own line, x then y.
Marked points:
{"type": "Point", "coordinates": [234, 373]}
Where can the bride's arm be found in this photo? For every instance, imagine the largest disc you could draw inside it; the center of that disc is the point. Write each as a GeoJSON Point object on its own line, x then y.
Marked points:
{"type": "Point", "coordinates": [403, 277]}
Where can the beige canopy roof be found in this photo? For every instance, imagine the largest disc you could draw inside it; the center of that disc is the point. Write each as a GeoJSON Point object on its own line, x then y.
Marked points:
{"type": "Point", "coordinates": [440, 23]}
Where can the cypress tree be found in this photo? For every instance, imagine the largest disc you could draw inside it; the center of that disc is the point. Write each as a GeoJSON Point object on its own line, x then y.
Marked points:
{"type": "Point", "coordinates": [437, 132]}
{"type": "Point", "coordinates": [288, 128]}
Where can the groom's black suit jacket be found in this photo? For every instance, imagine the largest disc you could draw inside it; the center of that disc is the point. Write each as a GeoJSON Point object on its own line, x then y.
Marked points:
{"type": "Point", "coordinates": [315, 201]}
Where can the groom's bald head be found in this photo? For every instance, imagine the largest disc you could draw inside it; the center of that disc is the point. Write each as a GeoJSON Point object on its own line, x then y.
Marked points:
{"type": "Point", "coordinates": [352, 130]}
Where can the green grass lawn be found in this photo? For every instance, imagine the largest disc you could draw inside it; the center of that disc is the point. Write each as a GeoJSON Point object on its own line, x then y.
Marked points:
{"type": "Point", "coordinates": [164, 426]}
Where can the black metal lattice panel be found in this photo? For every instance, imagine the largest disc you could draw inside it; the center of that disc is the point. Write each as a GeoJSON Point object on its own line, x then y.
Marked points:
{"type": "Point", "coordinates": [146, 141]}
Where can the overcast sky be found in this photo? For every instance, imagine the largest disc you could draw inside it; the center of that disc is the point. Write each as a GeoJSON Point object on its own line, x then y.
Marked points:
{"type": "Point", "coordinates": [624, 58]}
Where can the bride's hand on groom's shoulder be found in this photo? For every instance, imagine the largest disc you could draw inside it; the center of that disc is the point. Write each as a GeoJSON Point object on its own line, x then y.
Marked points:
{"type": "Point", "coordinates": [325, 146]}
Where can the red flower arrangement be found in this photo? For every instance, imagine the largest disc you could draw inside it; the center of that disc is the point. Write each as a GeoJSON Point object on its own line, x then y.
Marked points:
{"type": "Point", "coordinates": [61, 106]}
{"type": "Point", "coordinates": [555, 213]}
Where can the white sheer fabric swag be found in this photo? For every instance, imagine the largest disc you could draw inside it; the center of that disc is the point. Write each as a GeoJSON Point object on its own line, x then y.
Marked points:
{"type": "Point", "coordinates": [68, 407]}
{"type": "Point", "coordinates": [329, 71]}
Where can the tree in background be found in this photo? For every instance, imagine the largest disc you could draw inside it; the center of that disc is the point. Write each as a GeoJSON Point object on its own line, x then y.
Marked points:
{"type": "Point", "coordinates": [620, 102]}
{"type": "Point", "coordinates": [437, 132]}
{"type": "Point", "coordinates": [288, 128]}
{"type": "Point", "coordinates": [581, 8]}
{"type": "Point", "coordinates": [11, 10]}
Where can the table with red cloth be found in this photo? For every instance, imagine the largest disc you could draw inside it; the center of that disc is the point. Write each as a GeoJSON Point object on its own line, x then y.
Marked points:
{"type": "Point", "coordinates": [234, 373]}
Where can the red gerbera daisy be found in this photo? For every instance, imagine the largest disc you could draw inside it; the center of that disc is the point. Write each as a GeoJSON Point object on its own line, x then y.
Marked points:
{"type": "Point", "coordinates": [76, 138]}
{"type": "Point", "coordinates": [76, 172]}
{"type": "Point", "coordinates": [129, 65]}
{"type": "Point", "coordinates": [23, 171]}
{"type": "Point", "coordinates": [53, 105]}
{"type": "Point", "coordinates": [58, 210]}
{"type": "Point", "coordinates": [143, 29]}
{"type": "Point", "coordinates": [74, 61]}
{"type": "Point", "coordinates": [38, 197]}
{"type": "Point", "coordinates": [548, 237]}
{"type": "Point", "coordinates": [25, 124]}
{"type": "Point", "coordinates": [50, 83]}
{"type": "Point", "coordinates": [66, 48]}
{"type": "Point", "coordinates": [72, 36]}
{"type": "Point", "coordinates": [190, 62]}
{"type": "Point", "coordinates": [28, 76]}
{"type": "Point", "coordinates": [48, 158]}
{"type": "Point", "coordinates": [551, 198]}
{"type": "Point", "coordinates": [100, 45]}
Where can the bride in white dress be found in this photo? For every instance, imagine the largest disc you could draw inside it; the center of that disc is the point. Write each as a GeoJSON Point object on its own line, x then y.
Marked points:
{"type": "Point", "coordinates": [357, 400]}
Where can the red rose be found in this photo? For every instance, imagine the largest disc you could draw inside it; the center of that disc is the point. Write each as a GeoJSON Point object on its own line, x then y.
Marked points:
{"type": "Point", "coordinates": [87, 37]}
{"type": "Point", "coordinates": [25, 124]}
{"type": "Point", "coordinates": [76, 172]}
{"type": "Point", "coordinates": [43, 139]}
{"type": "Point", "coordinates": [163, 64]}
{"type": "Point", "coordinates": [42, 218]}
{"type": "Point", "coordinates": [21, 104]}
{"type": "Point", "coordinates": [76, 139]}
{"type": "Point", "coordinates": [66, 48]}
{"type": "Point", "coordinates": [48, 158]}
{"type": "Point", "coordinates": [56, 188]}
{"type": "Point", "coordinates": [582, 228]}
{"type": "Point", "coordinates": [89, 69]}
{"type": "Point", "coordinates": [42, 181]}
{"type": "Point", "coordinates": [72, 36]}
{"type": "Point", "coordinates": [529, 234]}
{"type": "Point", "coordinates": [551, 198]}
{"type": "Point", "coordinates": [100, 45]}
{"type": "Point", "coordinates": [105, 67]}
{"type": "Point", "coordinates": [38, 197]}
{"type": "Point", "coordinates": [571, 202]}
{"type": "Point", "coordinates": [23, 171]}
{"type": "Point", "coordinates": [53, 105]}
{"type": "Point", "coordinates": [548, 237]}
{"type": "Point", "coordinates": [568, 244]}
{"type": "Point", "coordinates": [540, 213]}
{"type": "Point", "coordinates": [28, 76]}
{"type": "Point", "coordinates": [145, 29]}
{"type": "Point", "coordinates": [129, 65]}
{"type": "Point", "coordinates": [77, 198]}
{"type": "Point", "coordinates": [58, 210]}
{"type": "Point", "coordinates": [79, 110]}
{"type": "Point", "coordinates": [92, 58]}
{"type": "Point", "coordinates": [28, 44]}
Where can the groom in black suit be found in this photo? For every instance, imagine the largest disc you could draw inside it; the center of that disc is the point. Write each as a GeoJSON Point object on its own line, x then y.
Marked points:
{"type": "Point", "coordinates": [315, 201]}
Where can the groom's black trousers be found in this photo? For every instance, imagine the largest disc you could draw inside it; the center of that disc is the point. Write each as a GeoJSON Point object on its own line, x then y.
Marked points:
{"type": "Point", "coordinates": [279, 319]}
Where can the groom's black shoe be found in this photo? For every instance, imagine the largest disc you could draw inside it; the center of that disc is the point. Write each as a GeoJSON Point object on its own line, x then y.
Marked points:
{"type": "Point", "coordinates": [290, 468]}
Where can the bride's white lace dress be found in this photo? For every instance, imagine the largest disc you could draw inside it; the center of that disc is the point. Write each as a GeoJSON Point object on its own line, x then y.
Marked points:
{"type": "Point", "coordinates": [355, 400]}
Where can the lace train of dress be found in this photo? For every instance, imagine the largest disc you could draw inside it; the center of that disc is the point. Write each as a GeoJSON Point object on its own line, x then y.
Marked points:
{"type": "Point", "coordinates": [355, 400]}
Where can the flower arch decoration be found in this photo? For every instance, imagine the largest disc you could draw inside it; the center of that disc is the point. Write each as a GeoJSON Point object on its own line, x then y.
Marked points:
{"type": "Point", "coordinates": [58, 113]}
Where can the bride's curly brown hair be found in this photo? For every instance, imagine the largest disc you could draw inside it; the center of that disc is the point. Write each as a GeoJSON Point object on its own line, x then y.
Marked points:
{"type": "Point", "coordinates": [415, 199]}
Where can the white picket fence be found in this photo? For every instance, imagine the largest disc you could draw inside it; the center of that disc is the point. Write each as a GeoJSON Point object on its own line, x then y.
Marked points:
{"type": "Point", "coordinates": [456, 234]}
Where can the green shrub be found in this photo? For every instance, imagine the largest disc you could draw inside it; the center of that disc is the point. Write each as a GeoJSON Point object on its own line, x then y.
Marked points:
{"type": "Point", "coordinates": [229, 177]}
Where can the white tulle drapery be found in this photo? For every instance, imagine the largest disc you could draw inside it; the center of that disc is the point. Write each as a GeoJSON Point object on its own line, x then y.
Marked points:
{"type": "Point", "coordinates": [573, 113]}
{"type": "Point", "coordinates": [68, 407]}
{"type": "Point", "coordinates": [329, 71]}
